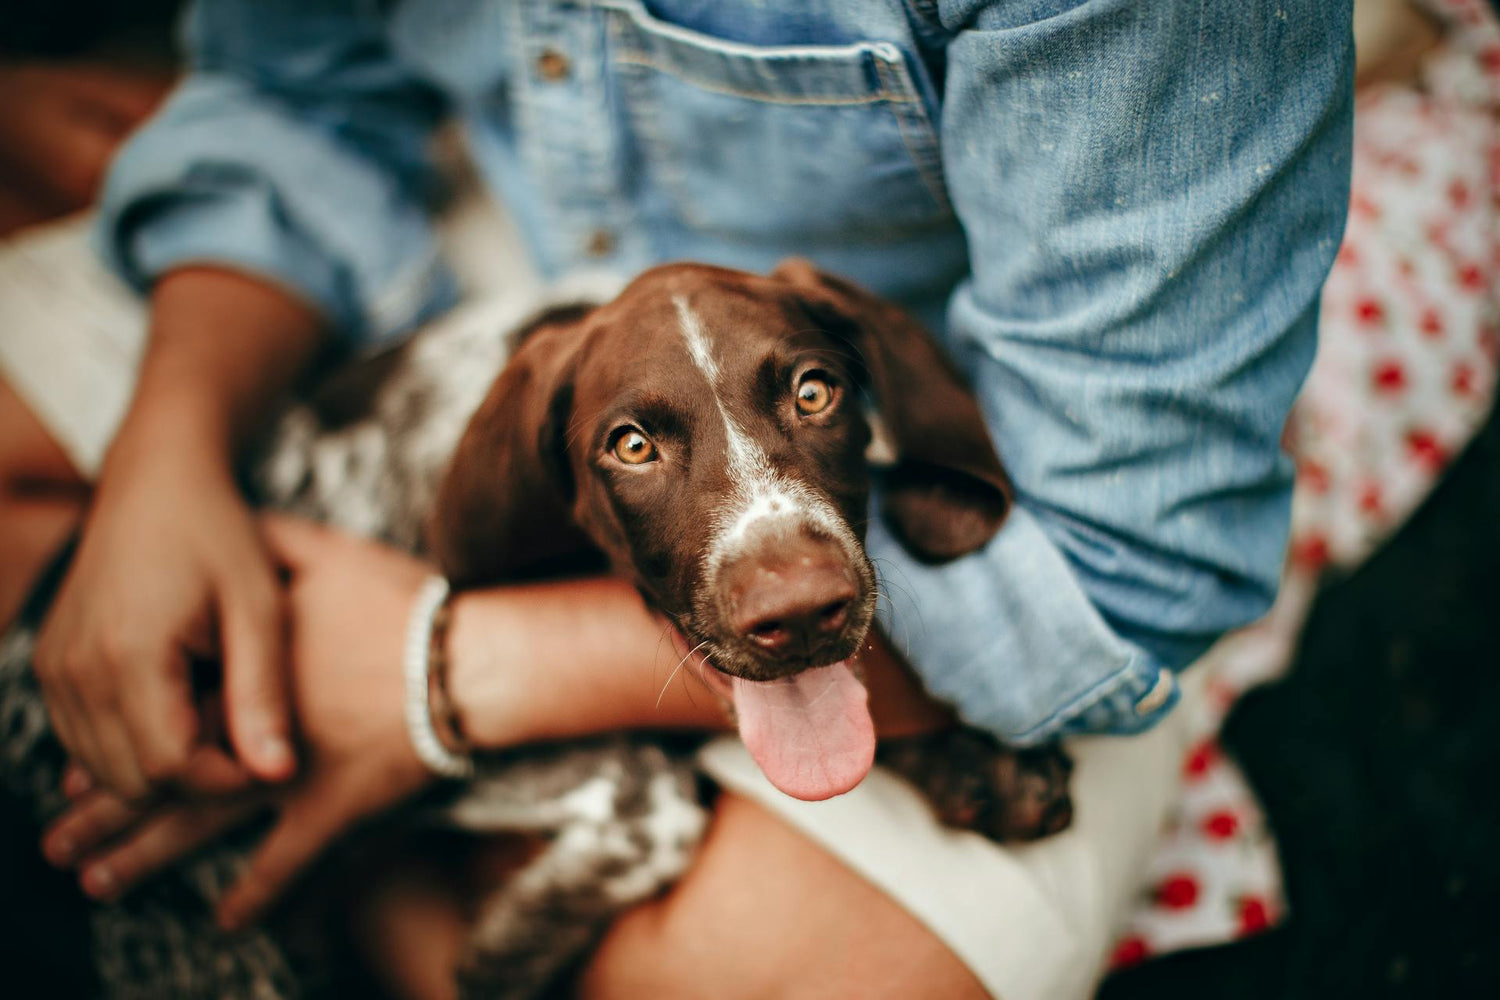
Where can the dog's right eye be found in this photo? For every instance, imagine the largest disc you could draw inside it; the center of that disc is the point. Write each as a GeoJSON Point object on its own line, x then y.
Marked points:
{"type": "Point", "coordinates": [633, 447]}
{"type": "Point", "coordinates": [814, 394]}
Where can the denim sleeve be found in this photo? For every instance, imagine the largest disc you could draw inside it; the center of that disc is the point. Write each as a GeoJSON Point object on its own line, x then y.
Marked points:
{"type": "Point", "coordinates": [297, 149]}
{"type": "Point", "coordinates": [1152, 195]}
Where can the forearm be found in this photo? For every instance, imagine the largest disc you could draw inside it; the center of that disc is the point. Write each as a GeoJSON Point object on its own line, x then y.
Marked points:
{"type": "Point", "coordinates": [223, 346]}
{"type": "Point", "coordinates": [621, 669]}
{"type": "Point", "coordinates": [1140, 314]}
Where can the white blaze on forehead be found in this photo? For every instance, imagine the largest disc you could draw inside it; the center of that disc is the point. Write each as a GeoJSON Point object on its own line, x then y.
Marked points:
{"type": "Point", "coordinates": [746, 460]}
{"type": "Point", "coordinates": [759, 492]}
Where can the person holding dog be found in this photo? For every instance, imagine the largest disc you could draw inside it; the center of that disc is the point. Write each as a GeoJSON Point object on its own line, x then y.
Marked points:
{"type": "Point", "coordinates": [1120, 229]}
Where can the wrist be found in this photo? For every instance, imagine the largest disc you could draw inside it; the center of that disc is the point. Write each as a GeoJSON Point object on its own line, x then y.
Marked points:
{"type": "Point", "coordinates": [476, 683]}
{"type": "Point", "coordinates": [180, 435]}
{"type": "Point", "coordinates": [176, 420]}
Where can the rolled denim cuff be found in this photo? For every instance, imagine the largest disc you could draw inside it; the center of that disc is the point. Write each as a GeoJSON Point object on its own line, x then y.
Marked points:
{"type": "Point", "coordinates": [225, 175]}
{"type": "Point", "coordinates": [235, 229]}
{"type": "Point", "coordinates": [1009, 638]}
{"type": "Point", "coordinates": [239, 230]}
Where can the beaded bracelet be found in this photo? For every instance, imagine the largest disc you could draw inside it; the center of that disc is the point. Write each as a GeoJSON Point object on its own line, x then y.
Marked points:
{"type": "Point", "coordinates": [420, 662]}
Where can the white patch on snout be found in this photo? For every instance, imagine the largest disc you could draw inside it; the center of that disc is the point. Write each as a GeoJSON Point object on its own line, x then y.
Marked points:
{"type": "Point", "coordinates": [758, 492]}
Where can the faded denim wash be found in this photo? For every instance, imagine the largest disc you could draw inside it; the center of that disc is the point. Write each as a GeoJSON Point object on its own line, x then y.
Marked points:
{"type": "Point", "coordinates": [1118, 212]}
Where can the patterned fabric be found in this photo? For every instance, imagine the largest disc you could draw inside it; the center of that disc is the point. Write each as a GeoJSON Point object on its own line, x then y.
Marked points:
{"type": "Point", "coordinates": [1405, 374]}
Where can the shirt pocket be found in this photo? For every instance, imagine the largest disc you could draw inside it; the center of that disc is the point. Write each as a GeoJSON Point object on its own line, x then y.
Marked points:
{"type": "Point", "coordinates": [817, 143]}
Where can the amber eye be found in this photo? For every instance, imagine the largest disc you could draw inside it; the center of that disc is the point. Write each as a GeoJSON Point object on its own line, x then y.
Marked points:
{"type": "Point", "coordinates": [634, 448]}
{"type": "Point", "coordinates": [814, 395]}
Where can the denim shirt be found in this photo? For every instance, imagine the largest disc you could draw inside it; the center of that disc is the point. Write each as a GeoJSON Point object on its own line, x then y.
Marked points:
{"type": "Point", "coordinates": [1118, 214]}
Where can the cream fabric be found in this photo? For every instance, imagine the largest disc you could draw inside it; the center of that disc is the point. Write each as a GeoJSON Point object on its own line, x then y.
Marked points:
{"type": "Point", "coordinates": [1034, 922]}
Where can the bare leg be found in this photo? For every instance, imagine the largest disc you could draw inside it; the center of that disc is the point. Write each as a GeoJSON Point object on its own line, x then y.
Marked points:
{"type": "Point", "coordinates": [41, 499]}
{"type": "Point", "coordinates": [763, 913]}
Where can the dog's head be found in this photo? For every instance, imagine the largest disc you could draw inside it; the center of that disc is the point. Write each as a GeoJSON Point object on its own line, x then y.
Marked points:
{"type": "Point", "coordinates": [707, 431]}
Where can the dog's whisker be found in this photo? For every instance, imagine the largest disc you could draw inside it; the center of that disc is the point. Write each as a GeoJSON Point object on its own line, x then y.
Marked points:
{"type": "Point", "coordinates": [663, 692]}
{"type": "Point", "coordinates": [686, 656]}
{"type": "Point", "coordinates": [656, 656]}
{"type": "Point", "coordinates": [884, 588]}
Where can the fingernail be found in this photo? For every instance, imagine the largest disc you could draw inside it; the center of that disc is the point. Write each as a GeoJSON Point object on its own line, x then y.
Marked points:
{"type": "Point", "coordinates": [276, 754]}
{"type": "Point", "coordinates": [60, 850]}
{"type": "Point", "coordinates": [99, 882]}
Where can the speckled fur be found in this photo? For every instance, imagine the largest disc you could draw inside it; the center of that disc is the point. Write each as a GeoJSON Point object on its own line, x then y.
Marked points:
{"type": "Point", "coordinates": [620, 817]}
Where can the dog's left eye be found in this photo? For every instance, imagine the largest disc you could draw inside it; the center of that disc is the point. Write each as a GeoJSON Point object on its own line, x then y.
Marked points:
{"type": "Point", "coordinates": [814, 395]}
{"type": "Point", "coordinates": [634, 448]}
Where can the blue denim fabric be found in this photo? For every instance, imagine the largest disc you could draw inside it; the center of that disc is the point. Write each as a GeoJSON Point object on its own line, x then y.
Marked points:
{"type": "Point", "coordinates": [1118, 213]}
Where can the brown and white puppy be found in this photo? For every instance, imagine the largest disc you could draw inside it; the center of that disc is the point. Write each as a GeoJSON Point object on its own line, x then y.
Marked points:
{"type": "Point", "coordinates": [707, 432]}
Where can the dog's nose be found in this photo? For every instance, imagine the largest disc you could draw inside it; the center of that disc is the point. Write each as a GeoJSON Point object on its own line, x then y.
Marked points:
{"type": "Point", "coordinates": [790, 609]}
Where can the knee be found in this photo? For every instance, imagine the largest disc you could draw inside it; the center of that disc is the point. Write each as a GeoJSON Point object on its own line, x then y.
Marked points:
{"type": "Point", "coordinates": [765, 913]}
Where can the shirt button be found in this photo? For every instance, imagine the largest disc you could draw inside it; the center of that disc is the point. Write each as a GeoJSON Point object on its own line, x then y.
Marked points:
{"type": "Point", "coordinates": [553, 66]}
{"type": "Point", "coordinates": [600, 244]}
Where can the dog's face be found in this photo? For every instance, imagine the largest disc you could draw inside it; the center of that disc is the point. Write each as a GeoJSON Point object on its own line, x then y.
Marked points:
{"type": "Point", "coordinates": [707, 431]}
{"type": "Point", "coordinates": [717, 450]}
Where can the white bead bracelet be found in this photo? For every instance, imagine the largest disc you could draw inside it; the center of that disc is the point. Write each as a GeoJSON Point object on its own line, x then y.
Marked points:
{"type": "Point", "coordinates": [424, 738]}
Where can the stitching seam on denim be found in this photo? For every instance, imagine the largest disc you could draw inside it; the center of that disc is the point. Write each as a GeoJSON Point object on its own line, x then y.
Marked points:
{"type": "Point", "coordinates": [934, 186]}
{"type": "Point", "coordinates": [649, 25]}
{"type": "Point", "coordinates": [718, 88]}
{"type": "Point", "coordinates": [1080, 703]}
{"type": "Point", "coordinates": [927, 10]}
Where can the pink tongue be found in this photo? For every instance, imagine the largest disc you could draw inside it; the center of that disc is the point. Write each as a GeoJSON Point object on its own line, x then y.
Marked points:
{"type": "Point", "coordinates": [811, 734]}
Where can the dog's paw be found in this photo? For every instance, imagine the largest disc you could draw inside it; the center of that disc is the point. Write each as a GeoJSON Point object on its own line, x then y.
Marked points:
{"type": "Point", "coordinates": [973, 782]}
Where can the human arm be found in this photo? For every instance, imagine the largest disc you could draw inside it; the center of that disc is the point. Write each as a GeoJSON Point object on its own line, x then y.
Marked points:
{"type": "Point", "coordinates": [1152, 195]}
{"type": "Point", "coordinates": [276, 197]}
{"type": "Point", "coordinates": [526, 663]}
{"type": "Point", "coordinates": [170, 566]}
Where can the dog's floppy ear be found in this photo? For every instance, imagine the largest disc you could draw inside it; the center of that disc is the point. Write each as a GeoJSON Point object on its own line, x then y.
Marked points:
{"type": "Point", "coordinates": [947, 494]}
{"type": "Point", "coordinates": [502, 511]}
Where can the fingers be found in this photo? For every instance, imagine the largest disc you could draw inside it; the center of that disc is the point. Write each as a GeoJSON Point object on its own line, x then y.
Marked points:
{"type": "Point", "coordinates": [123, 844]}
{"type": "Point", "coordinates": [294, 542]}
{"type": "Point", "coordinates": [159, 842]}
{"type": "Point", "coordinates": [96, 814]}
{"type": "Point", "coordinates": [117, 764]}
{"type": "Point", "coordinates": [120, 704]}
{"type": "Point", "coordinates": [313, 817]}
{"type": "Point", "coordinates": [90, 725]}
{"type": "Point", "coordinates": [211, 771]}
{"type": "Point", "coordinates": [89, 822]}
{"type": "Point", "coordinates": [157, 709]}
{"type": "Point", "coordinates": [255, 680]}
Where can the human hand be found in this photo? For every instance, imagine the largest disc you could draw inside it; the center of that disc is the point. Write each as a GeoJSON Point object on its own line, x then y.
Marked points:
{"type": "Point", "coordinates": [348, 603]}
{"type": "Point", "coordinates": [171, 567]}
{"type": "Point", "coordinates": [540, 661]}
